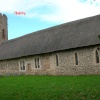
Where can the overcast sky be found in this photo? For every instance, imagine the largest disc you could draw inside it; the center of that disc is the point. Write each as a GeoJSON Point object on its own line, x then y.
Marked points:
{"type": "Point", "coordinates": [41, 14]}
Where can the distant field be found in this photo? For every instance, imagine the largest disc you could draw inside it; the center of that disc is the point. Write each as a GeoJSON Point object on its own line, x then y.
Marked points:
{"type": "Point", "coordinates": [50, 88]}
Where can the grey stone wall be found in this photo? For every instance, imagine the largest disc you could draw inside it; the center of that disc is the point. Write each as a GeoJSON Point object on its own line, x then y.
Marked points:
{"type": "Point", "coordinates": [86, 63]}
{"type": "Point", "coordinates": [3, 25]}
{"type": "Point", "coordinates": [9, 67]}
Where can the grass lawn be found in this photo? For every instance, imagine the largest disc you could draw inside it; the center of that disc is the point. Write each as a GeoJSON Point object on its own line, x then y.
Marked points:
{"type": "Point", "coordinates": [50, 88]}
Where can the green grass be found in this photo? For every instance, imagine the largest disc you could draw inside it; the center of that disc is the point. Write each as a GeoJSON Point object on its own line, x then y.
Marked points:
{"type": "Point", "coordinates": [50, 88]}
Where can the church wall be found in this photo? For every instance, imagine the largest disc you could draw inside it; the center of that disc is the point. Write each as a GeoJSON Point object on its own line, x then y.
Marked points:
{"type": "Point", "coordinates": [48, 63]}
{"type": "Point", "coordinates": [12, 67]}
{"type": "Point", "coordinates": [2, 67]}
{"type": "Point", "coordinates": [45, 61]}
{"type": "Point", "coordinates": [86, 62]}
{"type": "Point", "coordinates": [9, 67]}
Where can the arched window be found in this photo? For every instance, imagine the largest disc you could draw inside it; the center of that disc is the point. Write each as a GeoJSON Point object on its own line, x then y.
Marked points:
{"type": "Point", "coordinates": [97, 56]}
{"type": "Point", "coordinates": [3, 34]}
{"type": "Point", "coordinates": [76, 58]}
{"type": "Point", "coordinates": [57, 61]}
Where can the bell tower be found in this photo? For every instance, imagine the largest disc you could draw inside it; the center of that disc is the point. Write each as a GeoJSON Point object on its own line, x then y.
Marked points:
{"type": "Point", "coordinates": [3, 28]}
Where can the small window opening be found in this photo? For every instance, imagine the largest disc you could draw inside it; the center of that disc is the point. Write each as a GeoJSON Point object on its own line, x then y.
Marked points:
{"type": "Point", "coordinates": [37, 63]}
{"type": "Point", "coordinates": [57, 60]}
{"type": "Point", "coordinates": [97, 56]}
{"type": "Point", "coordinates": [3, 34]}
{"type": "Point", "coordinates": [22, 65]}
{"type": "Point", "coordinates": [76, 58]}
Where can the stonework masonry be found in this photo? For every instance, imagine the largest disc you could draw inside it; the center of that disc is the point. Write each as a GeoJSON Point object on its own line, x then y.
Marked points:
{"type": "Point", "coordinates": [3, 28]}
{"type": "Point", "coordinates": [86, 63]}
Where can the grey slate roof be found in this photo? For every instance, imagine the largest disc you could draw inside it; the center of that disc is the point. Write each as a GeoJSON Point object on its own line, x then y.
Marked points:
{"type": "Point", "coordinates": [74, 34]}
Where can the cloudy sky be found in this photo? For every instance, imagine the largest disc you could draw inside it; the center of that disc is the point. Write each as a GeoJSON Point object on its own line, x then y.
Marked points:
{"type": "Point", "coordinates": [40, 14]}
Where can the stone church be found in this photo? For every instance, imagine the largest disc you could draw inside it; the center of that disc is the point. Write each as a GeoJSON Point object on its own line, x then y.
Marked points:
{"type": "Point", "coordinates": [71, 48]}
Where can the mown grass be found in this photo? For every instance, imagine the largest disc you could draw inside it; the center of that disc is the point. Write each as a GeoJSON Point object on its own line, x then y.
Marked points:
{"type": "Point", "coordinates": [50, 88]}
